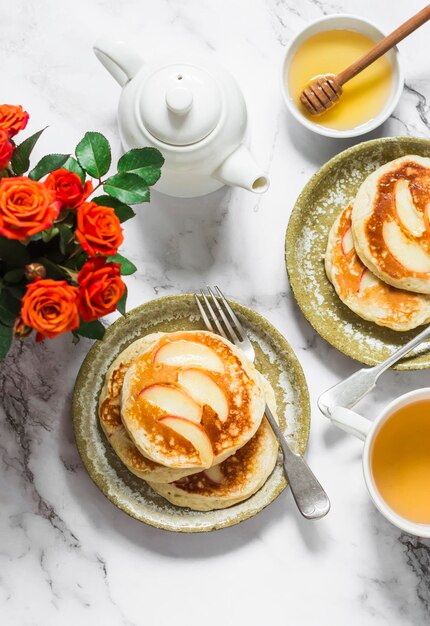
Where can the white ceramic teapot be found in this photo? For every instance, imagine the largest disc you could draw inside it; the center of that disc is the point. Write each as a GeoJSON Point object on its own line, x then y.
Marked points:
{"type": "Point", "coordinates": [195, 114]}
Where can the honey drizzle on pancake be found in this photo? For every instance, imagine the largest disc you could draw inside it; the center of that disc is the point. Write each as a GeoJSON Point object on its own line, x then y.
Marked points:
{"type": "Point", "coordinates": [234, 381]}
{"type": "Point", "coordinates": [384, 208]}
{"type": "Point", "coordinates": [399, 305]}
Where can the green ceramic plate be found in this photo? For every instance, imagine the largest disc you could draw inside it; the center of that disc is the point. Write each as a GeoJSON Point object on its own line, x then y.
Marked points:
{"type": "Point", "coordinates": [275, 359]}
{"type": "Point", "coordinates": [327, 193]}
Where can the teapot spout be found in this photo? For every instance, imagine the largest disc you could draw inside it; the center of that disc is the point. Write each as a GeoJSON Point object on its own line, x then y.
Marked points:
{"type": "Point", "coordinates": [119, 60]}
{"type": "Point", "coordinates": [240, 170]}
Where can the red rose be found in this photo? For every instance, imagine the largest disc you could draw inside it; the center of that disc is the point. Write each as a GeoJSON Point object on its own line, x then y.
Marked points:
{"type": "Point", "coordinates": [12, 118]}
{"type": "Point", "coordinates": [99, 230]}
{"type": "Point", "coordinates": [68, 187]}
{"type": "Point", "coordinates": [50, 307]}
{"type": "Point", "coordinates": [26, 207]}
{"type": "Point", "coordinates": [100, 288]}
{"type": "Point", "coordinates": [6, 149]}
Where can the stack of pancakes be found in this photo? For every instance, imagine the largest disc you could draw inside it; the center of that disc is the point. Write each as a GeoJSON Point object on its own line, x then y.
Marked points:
{"type": "Point", "coordinates": [185, 412]}
{"type": "Point", "coordinates": [378, 253]}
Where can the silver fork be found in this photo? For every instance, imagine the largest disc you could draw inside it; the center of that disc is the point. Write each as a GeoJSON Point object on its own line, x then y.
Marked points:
{"type": "Point", "coordinates": [310, 497]}
{"type": "Point", "coordinates": [351, 390]}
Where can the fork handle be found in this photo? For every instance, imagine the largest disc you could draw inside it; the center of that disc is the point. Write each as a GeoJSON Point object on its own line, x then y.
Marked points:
{"type": "Point", "coordinates": [311, 499]}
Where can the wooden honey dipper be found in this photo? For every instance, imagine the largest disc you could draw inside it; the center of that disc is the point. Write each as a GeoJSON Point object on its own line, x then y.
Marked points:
{"type": "Point", "coordinates": [323, 93]}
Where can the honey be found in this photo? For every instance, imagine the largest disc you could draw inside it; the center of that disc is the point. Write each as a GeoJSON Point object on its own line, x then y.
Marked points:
{"type": "Point", "coordinates": [330, 52]}
{"type": "Point", "coordinates": [400, 461]}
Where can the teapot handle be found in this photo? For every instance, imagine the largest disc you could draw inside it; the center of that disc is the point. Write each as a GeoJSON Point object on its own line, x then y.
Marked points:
{"type": "Point", "coordinates": [119, 60]}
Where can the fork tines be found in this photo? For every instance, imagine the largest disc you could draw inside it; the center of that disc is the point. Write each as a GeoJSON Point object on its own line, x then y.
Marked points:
{"type": "Point", "coordinates": [218, 315]}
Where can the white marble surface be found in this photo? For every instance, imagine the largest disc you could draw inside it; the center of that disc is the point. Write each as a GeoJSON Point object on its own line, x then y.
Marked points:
{"type": "Point", "coordinates": [67, 556]}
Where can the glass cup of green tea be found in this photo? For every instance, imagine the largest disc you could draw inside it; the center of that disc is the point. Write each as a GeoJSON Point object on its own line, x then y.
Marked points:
{"type": "Point", "coordinates": [396, 459]}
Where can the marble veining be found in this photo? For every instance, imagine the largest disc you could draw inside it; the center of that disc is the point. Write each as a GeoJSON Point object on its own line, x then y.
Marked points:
{"type": "Point", "coordinates": [67, 555]}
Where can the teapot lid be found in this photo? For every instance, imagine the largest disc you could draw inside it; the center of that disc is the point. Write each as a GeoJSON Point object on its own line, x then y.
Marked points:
{"type": "Point", "coordinates": [180, 104]}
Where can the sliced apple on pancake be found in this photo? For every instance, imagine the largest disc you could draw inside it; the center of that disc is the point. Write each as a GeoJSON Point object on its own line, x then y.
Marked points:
{"type": "Point", "coordinates": [173, 400]}
{"type": "Point", "coordinates": [188, 353]}
{"type": "Point", "coordinates": [409, 216]}
{"type": "Point", "coordinates": [406, 251]}
{"type": "Point", "coordinates": [215, 475]}
{"type": "Point", "coordinates": [194, 433]}
{"type": "Point", "coordinates": [347, 243]}
{"type": "Point", "coordinates": [204, 389]}
{"type": "Point", "coordinates": [367, 280]}
{"type": "Point", "coordinates": [427, 218]}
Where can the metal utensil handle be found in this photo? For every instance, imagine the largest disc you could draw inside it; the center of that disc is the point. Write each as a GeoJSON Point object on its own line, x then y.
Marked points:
{"type": "Point", "coordinates": [311, 499]}
{"type": "Point", "coordinates": [396, 356]}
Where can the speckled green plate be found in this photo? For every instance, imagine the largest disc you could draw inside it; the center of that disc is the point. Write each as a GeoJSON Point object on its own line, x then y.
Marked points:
{"type": "Point", "coordinates": [327, 193]}
{"type": "Point", "coordinates": [274, 358]}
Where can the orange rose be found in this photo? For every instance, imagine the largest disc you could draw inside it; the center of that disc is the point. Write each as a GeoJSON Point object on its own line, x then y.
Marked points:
{"type": "Point", "coordinates": [12, 118]}
{"type": "Point", "coordinates": [100, 288]}
{"type": "Point", "coordinates": [6, 149]}
{"type": "Point", "coordinates": [26, 207]}
{"type": "Point", "coordinates": [50, 308]}
{"type": "Point", "coordinates": [99, 230]}
{"type": "Point", "coordinates": [68, 187]}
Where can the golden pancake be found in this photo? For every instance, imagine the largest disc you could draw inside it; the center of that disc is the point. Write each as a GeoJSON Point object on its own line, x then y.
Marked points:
{"type": "Point", "coordinates": [234, 480]}
{"type": "Point", "coordinates": [362, 291]}
{"type": "Point", "coordinates": [191, 400]}
{"type": "Point", "coordinates": [390, 223]}
{"type": "Point", "coordinates": [110, 418]}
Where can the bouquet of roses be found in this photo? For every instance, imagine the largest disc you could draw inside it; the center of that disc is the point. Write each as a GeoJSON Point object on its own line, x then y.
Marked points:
{"type": "Point", "coordinates": [60, 269]}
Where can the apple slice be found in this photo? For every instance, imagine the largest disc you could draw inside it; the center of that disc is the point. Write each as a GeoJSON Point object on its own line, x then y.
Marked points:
{"type": "Point", "coordinates": [347, 242]}
{"type": "Point", "coordinates": [214, 475]}
{"type": "Point", "coordinates": [173, 400]}
{"type": "Point", "coordinates": [409, 216]}
{"type": "Point", "coordinates": [367, 279]}
{"type": "Point", "coordinates": [194, 433]}
{"type": "Point", "coordinates": [427, 218]}
{"type": "Point", "coordinates": [204, 390]}
{"type": "Point", "coordinates": [188, 353]}
{"type": "Point", "coordinates": [406, 251]}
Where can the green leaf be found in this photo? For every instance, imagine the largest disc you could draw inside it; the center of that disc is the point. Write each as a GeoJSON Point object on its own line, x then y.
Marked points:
{"type": "Point", "coordinates": [14, 276]}
{"type": "Point", "coordinates": [9, 308]}
{"type": "Point", "coordinates": [17, 291]}
{"type": "Point", "coordinates": [145, 162]}
{"type": "Point", "coordinates": [127, 267]}
{"type": "Point", "coordinates": [52, 162]}
{"type": "Point", "coordinates": [65, 237]}
{"type": "Point", "coordinates": [122, 211]}
{"type": "Point", "coordinates": [93, 154]}
{"type": "Point", "coordinates": [52, 269]}
{"type": "Point", "coordinates": [13, 252]}
{"type": "Point", "coordinates": [49, 233]}
{"type": "Point", "coordinates": [92, 330]}
{"type": "Point", "coordinates": [5, 340]}
{"type": "Point", "coordinates": [73, 166]}
{"type": "Point", "coordinates": [47, 164]}
{"type": "Point", "coordinates": [129, 188]}
{"type": "Point", "coordinates": [76, 262]}
{"type": "Point", "coordinates": [122, 303]}
{"type": "Point", "coordinates": [21, 157]}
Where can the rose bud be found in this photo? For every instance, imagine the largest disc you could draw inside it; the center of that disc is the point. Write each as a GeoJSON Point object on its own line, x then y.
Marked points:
{"type": "Point", "coordinates": [34, 270]}
{"type": "Point", "coordinates": [21, 330]}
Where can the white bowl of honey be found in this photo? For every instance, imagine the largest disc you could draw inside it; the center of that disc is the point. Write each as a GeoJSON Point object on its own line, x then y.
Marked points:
{"type": "Point", "coordinates": [328, 46]}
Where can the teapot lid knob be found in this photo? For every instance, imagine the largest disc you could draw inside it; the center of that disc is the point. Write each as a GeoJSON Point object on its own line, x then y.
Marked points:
{"type": "Point", "coordinates": [179, 100]}
{"type": "Point", "coordinates": [180, 104]}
